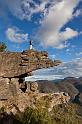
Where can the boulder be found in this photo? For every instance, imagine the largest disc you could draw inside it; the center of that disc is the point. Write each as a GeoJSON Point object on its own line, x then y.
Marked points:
{"type": "Point", "coordinates": [31, 87]}
{"type": "Point", "coordinates": [34, 86]}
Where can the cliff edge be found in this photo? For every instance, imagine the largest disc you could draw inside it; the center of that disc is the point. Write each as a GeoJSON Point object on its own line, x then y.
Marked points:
{"type": "Point", "coordinates": [14, 91]}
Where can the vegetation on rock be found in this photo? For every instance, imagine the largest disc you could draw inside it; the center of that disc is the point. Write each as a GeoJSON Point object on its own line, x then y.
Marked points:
{"type": "Point", "coordinates": [2, 46]}
{"type": "Point", "coordinates": [36, 116]}
{"type": "Point", "coordinates": [61, 114]}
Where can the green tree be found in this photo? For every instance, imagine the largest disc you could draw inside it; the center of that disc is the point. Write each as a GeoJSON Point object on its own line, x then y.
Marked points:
{"type": "Point", "coordinates": [2, 46]}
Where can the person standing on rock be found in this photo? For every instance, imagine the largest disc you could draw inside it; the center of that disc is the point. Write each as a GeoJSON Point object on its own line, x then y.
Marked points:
{"type": "Point", "coordinates": [31, 45]}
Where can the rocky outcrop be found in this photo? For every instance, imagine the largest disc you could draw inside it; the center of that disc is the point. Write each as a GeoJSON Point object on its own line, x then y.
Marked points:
{"type": "Point", "coordinates": [22, 101]}
{"type": "Point", "coordinates": [15, 66]}
{"type": "Point", "coordinates": [58, 98]}
{"type": "Point", "coordinates": [13, 99]}
{"type": "Point", "coordinates": [21, 64]}
{"type": "Point", "coordinates": [14, 92]}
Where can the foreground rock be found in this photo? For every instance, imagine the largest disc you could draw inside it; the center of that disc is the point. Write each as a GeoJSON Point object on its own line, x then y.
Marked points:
{"type": "Point", "coordinates": [14, 99]}
{"type": "Point", "coordinates": [22, 101]}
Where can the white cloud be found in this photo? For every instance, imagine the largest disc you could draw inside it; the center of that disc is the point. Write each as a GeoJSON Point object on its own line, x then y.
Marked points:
{"type": "Point", "coordinates": [78, 13]}
{"type": "Point", "coordinates": [25, 9]}
{"type": "Point", "coordinates": [53, 56]}
{"type": "Point", "coordinates": [15, 35]}
{"type": "Point", "coordinates": [59, 14]}
{"type": "Point", "coordinates": [67, 50]}
{"type": "Point", "coordinates": [54, 15]}
{"type": "Point", "coordinates": [78, 54]}
{"type": "Point", "coordinates": [81, 33]}
{"type": "Point", "coordinates": [66, 69]}
{"type": "Point", "coordinates": [68, 33]}
{"type": "Point", "coordinates": [31, 7]}
{"type": "Point", "coordinates": [73, 46]}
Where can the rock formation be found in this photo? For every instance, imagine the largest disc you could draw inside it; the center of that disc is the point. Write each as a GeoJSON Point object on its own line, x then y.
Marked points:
{"type": "Point", "coordinates": [22, 101]}
{"type": "Point", "coordinates": [14, 92]}
{"type": "Point", "coordinates": [15, 66]}
{"type": "Point", "coordinates": [18, 101]}
{"type": "Point", "coordinates": [20, 64]}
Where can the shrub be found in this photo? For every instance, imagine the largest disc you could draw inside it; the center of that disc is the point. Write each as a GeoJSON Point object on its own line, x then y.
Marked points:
{"type": "Point", "coordinates": [2, 46]}
{"type": "Point", "coordinates": [36, 116]}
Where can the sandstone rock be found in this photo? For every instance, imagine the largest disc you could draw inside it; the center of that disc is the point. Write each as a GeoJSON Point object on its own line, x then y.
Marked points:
{"type": "Point", "coordinates": [28, 87]}
{"type": "Point", "coordinates": [25, 100]}
{"type": "Point", "coordinates": [13, 68]}
{"type": "Point", "coordinates": [4, 88]}
{"type": "Point", "coordinates": [8, 88]}
{"type": "Point", "coordinates": [14, 64]}
{"type": "Point", "coordinates": [31, 87]}
{"type": "Point", "coordinates": [15, 81]}
{"type": "Point", "coordinates": [34, 86]}
{"type": "Point", "coordinates": [58, 98]}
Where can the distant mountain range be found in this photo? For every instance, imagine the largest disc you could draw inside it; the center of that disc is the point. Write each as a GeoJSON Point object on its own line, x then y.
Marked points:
{"type": "Point", "coordinates": [69, 69]}
{"type": "Point", "coordinates": [73, 86]}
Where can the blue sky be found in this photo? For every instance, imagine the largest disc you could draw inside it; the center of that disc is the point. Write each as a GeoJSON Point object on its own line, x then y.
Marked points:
{"type": "Point", "coordinates": [53, 25]}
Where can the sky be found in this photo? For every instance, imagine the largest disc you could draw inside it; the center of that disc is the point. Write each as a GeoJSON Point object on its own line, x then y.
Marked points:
{"type": "Point", "coordinates": [52, 25]}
